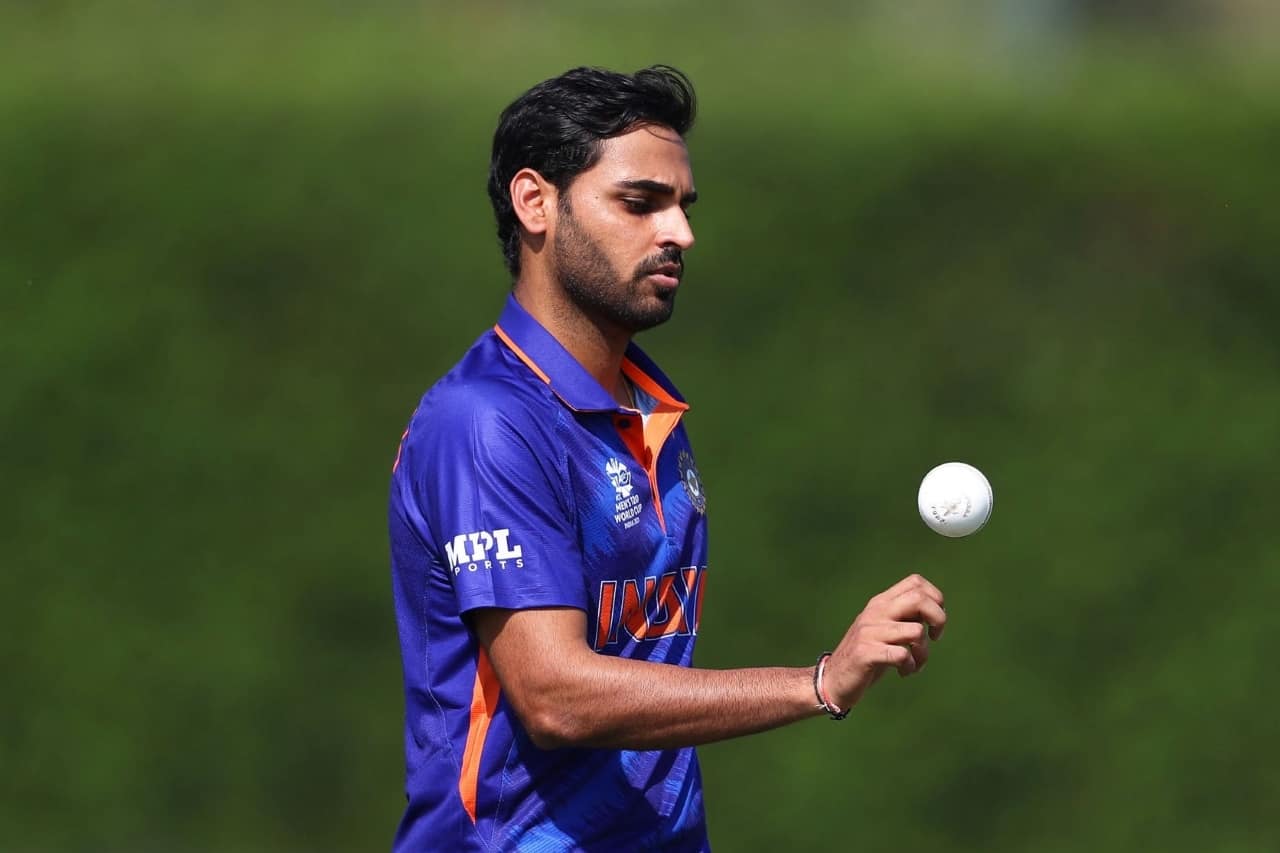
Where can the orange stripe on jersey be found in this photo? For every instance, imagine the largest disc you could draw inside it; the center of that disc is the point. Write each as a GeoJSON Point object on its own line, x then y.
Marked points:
{"type": "Point", "coordinates": [484, 702]}
{"type": "Point", "coordinates": [604, 614]}
{"type": "Point", "coordinates": [645, 444]}
{"type": "Point", "coordinates": [668, 615]}
{"type": "Point", "coordinates": [633, 372]}
{"type": "Point", "coordinates": [520, 354]}
{"type": "Point", "coordinates": [657, 428]}
{"type": "Point", "coordinates": [399, 450]}
{"type": "Point", "coordinates": [635, 619]}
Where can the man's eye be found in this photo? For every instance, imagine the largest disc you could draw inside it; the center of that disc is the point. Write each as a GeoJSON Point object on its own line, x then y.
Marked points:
{"type": "Point", "coordinates": [637, 205]}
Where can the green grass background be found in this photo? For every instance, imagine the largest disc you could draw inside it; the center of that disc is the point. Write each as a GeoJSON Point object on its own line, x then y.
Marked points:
{"type": "Point", "coordinates": [236, 243]}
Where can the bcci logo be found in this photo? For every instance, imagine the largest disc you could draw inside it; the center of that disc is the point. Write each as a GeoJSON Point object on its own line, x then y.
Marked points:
{"type": "Point", "coordinates": [692, 482]}
{"type": "Point", "coordinates": [620, 476]}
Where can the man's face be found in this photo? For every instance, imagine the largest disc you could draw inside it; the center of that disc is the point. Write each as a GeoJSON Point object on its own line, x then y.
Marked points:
{"type": "Point", "coordinates": [622, 229]}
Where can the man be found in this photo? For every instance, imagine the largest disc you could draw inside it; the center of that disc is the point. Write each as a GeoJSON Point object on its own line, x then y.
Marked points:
{"type": "Point", "coordinates": [548, 528]}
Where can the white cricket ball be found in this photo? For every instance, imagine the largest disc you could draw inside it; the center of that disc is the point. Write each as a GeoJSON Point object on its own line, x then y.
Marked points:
{"type": "Point", "coordinates": [955, 499]}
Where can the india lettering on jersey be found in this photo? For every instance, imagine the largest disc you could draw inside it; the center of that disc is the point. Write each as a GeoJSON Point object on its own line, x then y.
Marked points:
{"type": "Point", "coordinates": [670, 606]}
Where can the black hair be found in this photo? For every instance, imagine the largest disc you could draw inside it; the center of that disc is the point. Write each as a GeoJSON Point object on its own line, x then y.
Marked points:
{"type": "Point", "coordinates": [557, 126]}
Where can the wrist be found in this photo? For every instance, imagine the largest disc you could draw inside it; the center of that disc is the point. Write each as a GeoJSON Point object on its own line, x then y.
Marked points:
{"type": "Point", "coordinates": [822, 697]}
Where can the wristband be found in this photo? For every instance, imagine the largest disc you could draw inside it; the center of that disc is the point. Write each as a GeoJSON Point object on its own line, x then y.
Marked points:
{"type": "Point", "coordinates": [833, 710]}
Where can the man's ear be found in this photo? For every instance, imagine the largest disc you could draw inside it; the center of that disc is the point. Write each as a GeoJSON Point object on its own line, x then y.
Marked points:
{"type": "Point", "coordinates": [534, 199]}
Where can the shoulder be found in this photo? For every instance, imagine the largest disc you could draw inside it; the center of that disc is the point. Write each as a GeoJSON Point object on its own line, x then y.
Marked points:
{"type": "Point", "coordinates": [488, 401]}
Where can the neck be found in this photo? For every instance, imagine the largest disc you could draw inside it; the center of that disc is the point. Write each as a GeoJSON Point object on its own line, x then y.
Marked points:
{"type": "Point", "coordinates": [599, 347]}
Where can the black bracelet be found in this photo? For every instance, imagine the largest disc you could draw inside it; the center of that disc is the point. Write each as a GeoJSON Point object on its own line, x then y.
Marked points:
{"type": "Point", "coordinates": [833, 711]}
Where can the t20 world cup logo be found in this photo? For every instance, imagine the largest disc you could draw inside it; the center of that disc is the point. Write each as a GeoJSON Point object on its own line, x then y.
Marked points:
{"type": "Point", "coordinates": [620, 477]}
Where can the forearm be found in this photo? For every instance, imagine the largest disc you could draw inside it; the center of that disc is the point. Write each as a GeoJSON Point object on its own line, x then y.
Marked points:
{"type": "Point", "coordinates": [629, 704]}
{"type": "Point", "coordinates": [566, 694]}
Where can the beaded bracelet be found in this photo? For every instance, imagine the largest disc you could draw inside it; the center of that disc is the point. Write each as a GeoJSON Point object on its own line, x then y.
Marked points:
{"type": "Point", "coordinates": [833, 710]}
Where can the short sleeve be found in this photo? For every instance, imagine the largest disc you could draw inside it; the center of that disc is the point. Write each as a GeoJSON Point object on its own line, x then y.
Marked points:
{"type": "Point", "coordinates": [490, 485]}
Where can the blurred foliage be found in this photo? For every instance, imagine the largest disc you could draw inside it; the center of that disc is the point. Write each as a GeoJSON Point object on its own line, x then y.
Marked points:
{"type": "Point", "coordinates": [236, 245]}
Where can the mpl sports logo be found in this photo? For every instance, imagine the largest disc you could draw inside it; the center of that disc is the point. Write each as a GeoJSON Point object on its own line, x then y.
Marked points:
{"type": "Point", "coordinates": [483, 549]}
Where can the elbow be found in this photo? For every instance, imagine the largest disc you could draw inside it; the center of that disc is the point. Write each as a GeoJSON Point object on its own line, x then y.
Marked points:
{"type": "Point", "coordinates": [546, 735]}
{"type": "Point", "coordinates": [550, 726]}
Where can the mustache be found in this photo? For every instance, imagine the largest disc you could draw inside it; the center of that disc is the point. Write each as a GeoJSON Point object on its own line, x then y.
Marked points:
{"type": "Point", "coordinates": [665, 258]}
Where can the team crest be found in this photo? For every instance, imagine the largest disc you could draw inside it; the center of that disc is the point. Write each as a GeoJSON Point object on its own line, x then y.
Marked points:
{"type": "Point", "coordinates": [691, 481]}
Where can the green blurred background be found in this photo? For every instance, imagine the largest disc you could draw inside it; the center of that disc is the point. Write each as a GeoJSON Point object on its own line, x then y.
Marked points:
{"type": "Point", "coordinates": [236, 244]}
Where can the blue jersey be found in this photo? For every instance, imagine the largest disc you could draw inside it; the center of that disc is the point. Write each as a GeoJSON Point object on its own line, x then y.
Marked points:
{"type": "Point", "coordinates": [521, 483]}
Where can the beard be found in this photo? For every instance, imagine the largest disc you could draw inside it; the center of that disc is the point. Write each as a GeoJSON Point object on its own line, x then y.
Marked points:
{"type": "Point", "coordinates": [596, 287]}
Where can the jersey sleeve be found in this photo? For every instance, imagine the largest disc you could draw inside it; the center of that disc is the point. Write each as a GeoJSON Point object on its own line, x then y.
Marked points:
{"type": "Point", "coordinates": [490, 486]}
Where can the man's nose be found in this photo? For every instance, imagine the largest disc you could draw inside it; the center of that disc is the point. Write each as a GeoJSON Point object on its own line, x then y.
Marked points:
{"type": "Point", "coordinates": [676, 230]}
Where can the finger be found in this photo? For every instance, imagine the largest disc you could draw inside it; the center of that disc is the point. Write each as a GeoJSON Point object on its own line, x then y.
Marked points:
{"type": "Point", "coordinates": [901, 658]}
{"type": "Point", "coordinates": [895, 633]}
{"type": "Point", "coordinates": [932, 591]}
{"type": "Point", "coordinates": [912, 582]}
{"type": "Point", "coordinates": [871, 655]}
{"type": "Point", "coordinates": [916, 605]}
{"type": "Point", "coordinates": [936, 618]}
{"type": "Point", "coordinates": [920, 652]}
{"type": "Point", "coordinates": [908, 583]}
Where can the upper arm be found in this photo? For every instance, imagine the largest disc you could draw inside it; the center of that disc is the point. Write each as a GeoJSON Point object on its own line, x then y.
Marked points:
{"type": "Point", "coordinates": [532, 648]}
{"type": "Point", "coordinates": [540, 656]}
